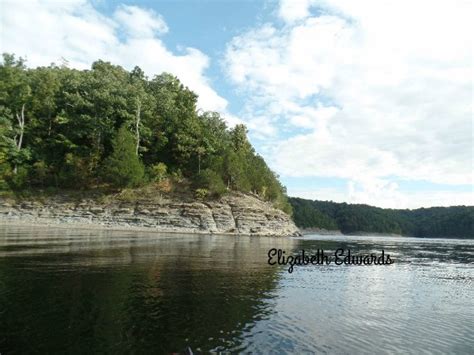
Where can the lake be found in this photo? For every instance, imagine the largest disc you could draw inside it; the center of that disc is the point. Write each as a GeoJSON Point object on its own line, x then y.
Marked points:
{"type": "Point", "coordinates": [77, 291]}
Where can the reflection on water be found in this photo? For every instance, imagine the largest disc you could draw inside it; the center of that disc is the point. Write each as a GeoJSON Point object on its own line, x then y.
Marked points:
{"type": "Point", "coordinates": [72, 291]}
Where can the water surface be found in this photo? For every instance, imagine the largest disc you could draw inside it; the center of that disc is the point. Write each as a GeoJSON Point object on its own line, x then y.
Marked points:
{"type": "Point", "coordinates": [76, 291]}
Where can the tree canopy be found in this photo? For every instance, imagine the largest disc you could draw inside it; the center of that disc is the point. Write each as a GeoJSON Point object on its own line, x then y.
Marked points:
{"type": "Point", "coordinates": [447, 222]}
{"type": "Point", "coordinates": [67, 128]}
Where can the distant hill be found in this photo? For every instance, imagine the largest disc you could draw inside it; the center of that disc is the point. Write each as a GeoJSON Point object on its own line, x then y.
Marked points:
{"type": "Point", "coordinates": [446, 222]}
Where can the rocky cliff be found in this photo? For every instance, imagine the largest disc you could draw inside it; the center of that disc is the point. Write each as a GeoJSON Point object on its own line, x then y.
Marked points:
{"type": "Point", "coordinates": [237, 214]}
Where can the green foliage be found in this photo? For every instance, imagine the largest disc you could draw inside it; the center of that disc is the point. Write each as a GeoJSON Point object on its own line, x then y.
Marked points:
{"type": "Point", "coordinates": [40, 172]}
{"type": "Point", "coordinates": [123, 167]}
{"type": "Point", "coordinates": [7, 147]}
{"type": "Point", "coordinates": [158, 172]}
{"type": "Point", "coordinates": [456, 221]}
{"type": "Point", "coordinates": [74, 120]}
{"type": "Point", "coordinates": [75, 170]}
{"type": "Point", "coordinates": [19, 180]}
{"type": "Point", "coordinates": [201, 194]}
{"type": "Point", "coordinates": [211, 181]}
{"type": "Point", "coordinates": [177, 175]}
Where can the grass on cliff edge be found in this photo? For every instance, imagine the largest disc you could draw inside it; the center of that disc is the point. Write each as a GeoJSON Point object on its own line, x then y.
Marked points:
{"type": "Point", "coordinates": [165, 190]}
{"type": "Point", "coordinates": [153, 191]}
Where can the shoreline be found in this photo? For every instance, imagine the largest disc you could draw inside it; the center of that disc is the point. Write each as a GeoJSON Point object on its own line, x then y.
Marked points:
{"type": "Point", "coordinates": [236, 214]}
{"type": "Point", "coordinates": [323, 231]}
{"type": "Point", "coordinates": [374, 234]}
{"type": "Point", "coordinates": [123, 228]}
{"type": "Point", "coordinates": [20, 222]}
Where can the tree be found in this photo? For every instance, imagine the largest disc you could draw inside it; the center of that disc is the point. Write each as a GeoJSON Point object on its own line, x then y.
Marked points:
{"type": "Point", "coordinates": [65, 127]}
{"type": "Point", "coordinates": [238, 136]}
{"type": "Point", "coordinates": [15, 94]}
{"type": "Point", "coordinates": [200, 151]}
{"type": "Point", "coordinates": [7, 147]}
{"type": "Point", "coordinates": [123, 167]}
{"type": "Point", "coordinates": [138, 94]}
{"type": "Point", "coordinates": [45, 86]}
{"type": "Point", "coordinates": [212, 182]}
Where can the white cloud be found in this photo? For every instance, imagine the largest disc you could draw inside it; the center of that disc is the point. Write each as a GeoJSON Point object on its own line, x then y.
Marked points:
{"type": "Point", "coordinates": [139, 22]}
{"type": "Point", "coordinates": [383, 88]}
{"type": "Point", "coordinates": [293, 10]}
{"type": "Point", "coordinates": [385, 194]}
{"type": "Point", "coordinates": [46, 31]}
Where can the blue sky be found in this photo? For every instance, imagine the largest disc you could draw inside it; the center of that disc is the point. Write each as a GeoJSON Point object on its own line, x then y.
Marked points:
{"type": "Point", "coordinates": [342, 101]}
{"type": "Point", "coordinates": [208, 26]}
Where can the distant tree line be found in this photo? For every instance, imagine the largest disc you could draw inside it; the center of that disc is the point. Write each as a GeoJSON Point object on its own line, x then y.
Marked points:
{"type": "Point", "coordinates": [448, 222]}
{"type": "Point", "coordinates": [68, 128]}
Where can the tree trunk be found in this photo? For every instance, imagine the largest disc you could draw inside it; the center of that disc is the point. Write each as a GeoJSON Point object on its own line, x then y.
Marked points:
{"type": "Point", "coordinates": [137, 125]}
{"type": "Point", "coordinates": [21, 123]}
{"type": "Point", "coordinates": [50, 123]}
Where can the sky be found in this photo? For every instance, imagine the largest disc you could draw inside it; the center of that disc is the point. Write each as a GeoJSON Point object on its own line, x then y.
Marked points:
{"type": "Point", "coordinates": [350, 101]}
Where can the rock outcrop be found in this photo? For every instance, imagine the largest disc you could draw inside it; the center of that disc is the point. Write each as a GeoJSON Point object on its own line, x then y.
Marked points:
{"type": "Point", "coordinates": [237, 214]}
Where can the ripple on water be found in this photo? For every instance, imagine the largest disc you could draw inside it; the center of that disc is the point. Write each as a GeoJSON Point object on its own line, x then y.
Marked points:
{"type": "Point", "coordinates": [145, 292]}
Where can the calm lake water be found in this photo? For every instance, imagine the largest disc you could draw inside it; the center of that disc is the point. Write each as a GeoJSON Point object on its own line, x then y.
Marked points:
{"type": "Point", "coordinates": [82, 291]}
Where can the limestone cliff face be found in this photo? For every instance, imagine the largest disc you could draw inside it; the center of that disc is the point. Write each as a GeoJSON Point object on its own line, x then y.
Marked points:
{"type": "Point", "coordinates": [237, 214]}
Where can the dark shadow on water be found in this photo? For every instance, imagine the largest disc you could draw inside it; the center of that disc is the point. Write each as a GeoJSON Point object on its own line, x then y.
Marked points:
{"type": "Point", "coordinates": [118, 292]}
{"type": "Point", "coordinates": [81, 291]}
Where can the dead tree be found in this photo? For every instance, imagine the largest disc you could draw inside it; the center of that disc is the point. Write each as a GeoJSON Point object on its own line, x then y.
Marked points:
{"type": "Point", "coordinates": [21, 124]}
{"type": "Point", "coordinates": [137, 125]}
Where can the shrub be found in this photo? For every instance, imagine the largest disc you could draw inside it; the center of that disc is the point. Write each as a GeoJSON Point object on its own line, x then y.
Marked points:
{"type": "Point", "coordinates": [75, 171]}
{"type": "Point", "coordinates": [41, 172]}
{"type": "Point", "coordinates": [158, 172]}
{"type": "Point", "coordinates": [212, 181]}
{"type": "Point", "coordinates": [201, 193]}
{"type": "Point", "coordinates": [177, 175]}
{"type": "Point", "coordinates": [123, 167]}
{"type": "Point", "coordinates": [18, 180]}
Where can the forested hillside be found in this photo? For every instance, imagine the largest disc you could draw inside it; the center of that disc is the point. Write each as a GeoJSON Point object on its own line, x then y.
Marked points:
{"type": "Point", "coordinates": [454, 222]}
{"type": "Point", "coordinates": [62, 128]}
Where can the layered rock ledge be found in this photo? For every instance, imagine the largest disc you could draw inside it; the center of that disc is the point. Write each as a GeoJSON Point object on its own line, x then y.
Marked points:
{"type": "Point", "coordinates": [235, 214]}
